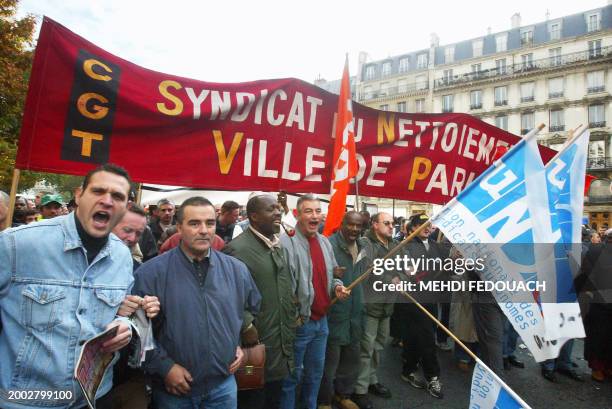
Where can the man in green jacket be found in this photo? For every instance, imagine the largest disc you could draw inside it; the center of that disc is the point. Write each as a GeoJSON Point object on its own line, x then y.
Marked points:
{"type": "Point", "coordinates": [259, 248]}
{"type": "Point", "coordinates": [344, 318]}
{"type": "Point", "coordinates": [378, 308]}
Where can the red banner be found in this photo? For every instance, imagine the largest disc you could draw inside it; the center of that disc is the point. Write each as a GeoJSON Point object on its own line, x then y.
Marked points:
{"type": "Point", "coordinates": [86, 106]}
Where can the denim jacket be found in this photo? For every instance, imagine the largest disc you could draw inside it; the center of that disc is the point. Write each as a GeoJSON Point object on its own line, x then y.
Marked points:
{"type": "Point", "coordinates": [51, 301]}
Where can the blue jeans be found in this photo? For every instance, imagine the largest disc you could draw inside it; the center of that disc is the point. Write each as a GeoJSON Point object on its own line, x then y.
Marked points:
{"type": "Point", "coordinates": [221, 397]}
{"type": "Point", "coordinates": [510, 337]}
{"type": "Point", "coordinates": [309, 349]}
{"type": "Point", "coordinates": [564, 361]}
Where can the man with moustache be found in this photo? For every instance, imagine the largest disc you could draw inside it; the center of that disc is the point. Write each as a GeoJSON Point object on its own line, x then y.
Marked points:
{"type": "Point", "coordinates": [378, 308]}
{"type": "Point", "coordinates": [204, 295]}
{"type": "Point", "coordinates": [345, 328]}
{"type": "Point", "coordinates": [62, 291]}
{"type": "Point", "coordinates": [259, 248]}
{"type": "Point", "coordinates": [316, 273]}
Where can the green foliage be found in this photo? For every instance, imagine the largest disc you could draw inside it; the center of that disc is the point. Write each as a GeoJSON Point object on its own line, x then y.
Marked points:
{"type": "Point", "coordinates": [15, 63]}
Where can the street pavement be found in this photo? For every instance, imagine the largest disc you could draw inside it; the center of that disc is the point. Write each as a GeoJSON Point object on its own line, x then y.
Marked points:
{"type": "Point", "coordinates": [536, 391]}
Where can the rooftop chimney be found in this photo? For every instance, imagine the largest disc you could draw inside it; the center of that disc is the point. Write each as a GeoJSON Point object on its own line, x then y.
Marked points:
{"type": "Point", "coordinates": [434, 39]}
{"type": "Point", "coordinates": [516, 20]}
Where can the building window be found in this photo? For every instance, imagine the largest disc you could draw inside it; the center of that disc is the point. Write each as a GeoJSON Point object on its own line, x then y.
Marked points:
{"type": "Point", "coordinates": [594, 48]}
{"type": "Point", "coordinates": [596, 155]}
{"type": "Point", "coordinates": [557, 123]}
{"type": "Point", "coordinates": [384, 89]}
{"type": "Point", "coordinates": [593, 22]}
{"type": "Point", "coordinates": [367, 92]}
{"type": "Point", "coordinates": [447, 103]}
{"type": "Point", "coordinates": [596, 116]}
{"type": "Point", "coordinates": [476, 99]}
{"type": "Point", "coordinates": [555, 87]}
{"type": "Point", "coordinates": [370, 71]}
{"type": "Point", "coordinates": [402, 86]}
{"type": "Point", "coordinates": [500, 66]}
{"type": "Point", "coordinates": [527, 92]}
{"type": "Point", "coordinates": [527, 61]}
{"type": "Point", "coordinates": [447, 76]}
{"type": "Point", "coordinates": [421, 82]}
{"type": "Point", "coordinates": [526, 36]}
{"type": "Point", "coordinates": [595, 82]}
{"type": "Point", "coordinates": [527, 122]}
{"type": "Point", "coordinates": [401, 107]}
{"type": "Point", "coordinates": [501, 96]}
{"type": "Point", "coordinates": [449, 54]}
{"type": "Point", "coordinates": [555, 56]}
{"type": "Point", "coordinates": [420, 105]}
{"type": "Point", "coordinates": [404, 64]}
{"type": "Point", "coordinates": [477, 48]}
{"type": "Point", "coordinates": [384, 107]}
{"type": "Point", "coordinates": [422, 61]}
{"type": "Point", "coordinates": [386, 69]}
{"type": "Point", "coordinates": [501, 122]}
{"type": "Point", "coordinates": [501, 42]}
{"type": "Point", "coordinates": [476, 68]}
{"type": "Point", "coordinates": [554, 31]}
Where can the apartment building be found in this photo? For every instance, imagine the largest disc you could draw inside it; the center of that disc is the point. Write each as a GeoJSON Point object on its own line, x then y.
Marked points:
{"type": "Point", "coordinates": [557, 72]}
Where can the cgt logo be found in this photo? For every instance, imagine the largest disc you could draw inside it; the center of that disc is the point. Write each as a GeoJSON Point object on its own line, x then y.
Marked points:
{"type": "Point", "coordinates": [92, 110]}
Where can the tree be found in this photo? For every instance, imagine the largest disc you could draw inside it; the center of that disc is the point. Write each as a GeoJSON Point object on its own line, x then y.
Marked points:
{"type": "Point", "coordinates": [16, 42]}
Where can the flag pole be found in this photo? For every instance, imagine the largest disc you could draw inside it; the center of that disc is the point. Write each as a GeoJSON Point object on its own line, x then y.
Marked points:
{"type": "Point", "coordinates": [467, 350]}
{"type": "Point", "coordinates": [11, 207]}
{"type": "Point", "coordinates": [139, 194]}
{"type": "Point", "coordinates": [356, 194]}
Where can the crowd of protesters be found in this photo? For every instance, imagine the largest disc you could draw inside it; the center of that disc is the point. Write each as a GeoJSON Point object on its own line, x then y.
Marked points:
{"type": "Point", "coordinates": [219, 278]}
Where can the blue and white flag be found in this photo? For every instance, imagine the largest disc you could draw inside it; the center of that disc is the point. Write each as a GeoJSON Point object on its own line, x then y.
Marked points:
{"type": "Point", "coordinates": [488, 392]}
{"type": "Point", "coordinates": [565, 177]}
{"type": "Point", "coordinates": [498, 218]}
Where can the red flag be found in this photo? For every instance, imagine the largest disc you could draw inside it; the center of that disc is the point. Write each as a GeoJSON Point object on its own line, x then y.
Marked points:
{"type": "Point", "coordinates": [345, 161]}
{"type": "Point", "coordinates": [588, 179]}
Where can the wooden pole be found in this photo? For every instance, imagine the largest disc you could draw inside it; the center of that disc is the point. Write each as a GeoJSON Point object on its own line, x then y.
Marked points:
{"type": "Point", "coordinates": [11, 207]}
{"type": "Point", "coordinates": [138, 194]}
{"type": "Point", "coordinates": [465, 348]}
{"type": "Point", "coordinates": [356, 194]}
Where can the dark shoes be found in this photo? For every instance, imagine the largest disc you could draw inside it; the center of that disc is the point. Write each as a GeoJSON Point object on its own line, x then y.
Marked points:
{"type": "Point", "coordinates": [413, 380]}
{"type": "Point", "coordinates": [380, 390]}
{"type": "Point", "coordinates": [571, 373]}
{"type": "Point", "coordinates": [362, 401]}
{"type": "Point", "coordinates": [549, 375]}
{"type": "Point", "coordinates": [512, 361]}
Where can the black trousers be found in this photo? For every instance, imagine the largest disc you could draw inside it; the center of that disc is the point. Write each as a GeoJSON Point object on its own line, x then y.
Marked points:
{"type": "Point", "coordinates": [489, 322]}
{"type": "Point", "coordinates": [419, 340]}
{"type": "Point", "coordinates": [266, 398]}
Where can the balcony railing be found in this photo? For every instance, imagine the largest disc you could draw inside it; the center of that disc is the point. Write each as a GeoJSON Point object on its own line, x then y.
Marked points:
{"type": "Point", "coordinates": [501, 103]}
{"type": "Point", "coordinates": [599, 124]}
{"type": "Point", "coordinates": [593, 90]}
{"type": "Point", "coordinates": [527, 99]}
{"type": "Point", "coordinates": [599, 163]}
{"type": "Point", "coordinates": [391, 91]}
{"type": "Point", "coordinates": [529, 66]}
{"type": "Point", "coordinates": [552, 95]}
{"type": "Point", "coordinates": [447, 110]}
{"type": "Point", "coordinates": [525, 131]}
{"type": "Point", "coordinates": [475, 106]}
{"type": "Point", "coordinates": [556, 128]}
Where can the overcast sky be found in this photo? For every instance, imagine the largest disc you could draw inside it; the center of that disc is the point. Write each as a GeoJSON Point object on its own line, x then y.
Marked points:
{"type": "Point", "coordinates": [235, 40]}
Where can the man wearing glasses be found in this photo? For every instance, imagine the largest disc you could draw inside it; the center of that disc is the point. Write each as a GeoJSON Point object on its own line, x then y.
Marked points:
{"type": "Point", "coordinates": [378, 310]}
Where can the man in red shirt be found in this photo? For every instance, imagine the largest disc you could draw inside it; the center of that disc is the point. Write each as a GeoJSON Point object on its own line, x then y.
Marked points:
{"type": "Point", "coordinates": [316, 274]}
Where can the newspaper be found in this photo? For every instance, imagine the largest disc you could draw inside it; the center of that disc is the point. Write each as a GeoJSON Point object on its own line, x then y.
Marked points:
{"type": "Point", "coordinates": [93, 364]}
{"type": "Point", "coordinates": [143, 342]}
